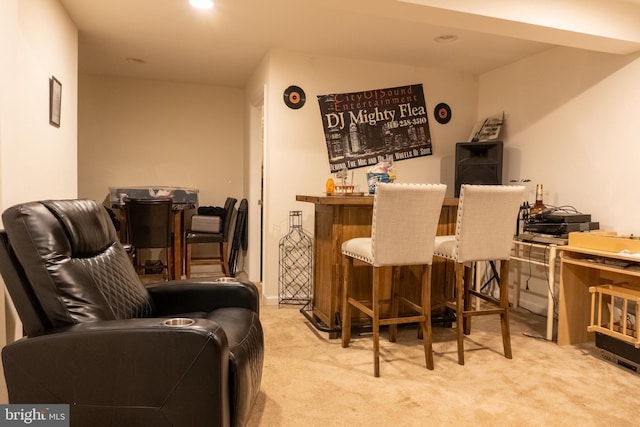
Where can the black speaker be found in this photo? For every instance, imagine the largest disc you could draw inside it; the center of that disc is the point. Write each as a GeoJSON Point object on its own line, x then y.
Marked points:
{"type": "Point", "coordinates": [478, 163]}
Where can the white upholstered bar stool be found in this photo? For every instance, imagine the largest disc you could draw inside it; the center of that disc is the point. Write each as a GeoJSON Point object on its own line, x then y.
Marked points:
{"type": "Point", "coordinates": [485, 227]}
{"type": "Point", "coordinates": [405, 220]}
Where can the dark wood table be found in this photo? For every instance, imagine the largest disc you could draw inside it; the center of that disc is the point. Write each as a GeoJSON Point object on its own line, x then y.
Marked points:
{"type": "Point", "coordinates": [340, 218]}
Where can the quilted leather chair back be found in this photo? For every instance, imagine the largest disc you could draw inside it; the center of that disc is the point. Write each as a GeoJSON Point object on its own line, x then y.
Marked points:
{"type": "Point", "coordinates": [67, 256]}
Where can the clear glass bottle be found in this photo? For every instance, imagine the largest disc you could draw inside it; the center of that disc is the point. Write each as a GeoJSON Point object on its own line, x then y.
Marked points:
{"type": "Point", "coordinates": [538, 206]}
{"type": "Point", "coordinates": [392, 170]}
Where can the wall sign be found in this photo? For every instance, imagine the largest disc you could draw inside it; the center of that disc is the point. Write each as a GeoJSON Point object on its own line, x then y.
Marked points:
{"type": "Point", "coordinates": [363, 128]}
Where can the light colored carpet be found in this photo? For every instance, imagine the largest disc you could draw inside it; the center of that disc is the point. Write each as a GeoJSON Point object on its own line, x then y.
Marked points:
{"type": "Point", "coordinates": [310, 380]}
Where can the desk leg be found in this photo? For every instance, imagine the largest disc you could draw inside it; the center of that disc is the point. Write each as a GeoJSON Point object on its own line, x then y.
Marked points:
{"type": "Point", "coordinates": [177, 244]}
{"type": "Point", "coordinates": [517, 249]}
{"type": "Point", "coordinates": [551, 291]}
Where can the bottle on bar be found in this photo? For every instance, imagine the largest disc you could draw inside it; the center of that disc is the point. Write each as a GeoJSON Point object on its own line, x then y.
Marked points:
{"type": "Point", "coordinates": [330, 186]}
{"type": "Point", "coordinates": [538, 206]}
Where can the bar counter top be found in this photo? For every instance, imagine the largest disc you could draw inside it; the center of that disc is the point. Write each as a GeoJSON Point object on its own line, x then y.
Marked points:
{"type": "Point", "coordinates": [345, 199]}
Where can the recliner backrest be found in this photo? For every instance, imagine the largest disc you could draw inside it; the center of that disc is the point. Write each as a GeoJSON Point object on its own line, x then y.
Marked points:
{"type": "Point", "coordinates": [68, 254]}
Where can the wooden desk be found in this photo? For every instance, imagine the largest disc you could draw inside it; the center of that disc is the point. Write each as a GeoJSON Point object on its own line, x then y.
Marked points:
{"type": "Point", "coordinates": [340, 218]}
{"type": "Point", "coordinates": [579, 269]}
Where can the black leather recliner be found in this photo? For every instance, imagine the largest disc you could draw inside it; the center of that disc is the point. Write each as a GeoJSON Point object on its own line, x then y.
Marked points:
{"type": "Point", "coordinates": [97, 339]}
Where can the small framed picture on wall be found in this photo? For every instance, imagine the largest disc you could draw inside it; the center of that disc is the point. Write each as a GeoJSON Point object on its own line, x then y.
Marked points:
{"type": "Point", "coordinates": [55, 98]}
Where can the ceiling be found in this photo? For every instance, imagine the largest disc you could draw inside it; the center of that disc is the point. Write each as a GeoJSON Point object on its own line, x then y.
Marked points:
{"type": "Point", "coordinates": [169, 40]}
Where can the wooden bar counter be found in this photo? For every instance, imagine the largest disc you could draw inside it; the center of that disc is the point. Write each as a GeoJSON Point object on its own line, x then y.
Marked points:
{"type": "Point", "coordinates": [343, 217]}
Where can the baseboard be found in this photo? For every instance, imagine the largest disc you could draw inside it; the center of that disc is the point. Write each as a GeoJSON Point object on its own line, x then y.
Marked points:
{"type": "Point", "coordinates": [533, 302]}
{"type": "Point", "coordinates": [273, 300]}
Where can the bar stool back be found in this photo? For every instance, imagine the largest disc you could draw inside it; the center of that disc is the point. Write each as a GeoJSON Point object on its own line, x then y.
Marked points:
{"type": "Point", "coordinates": [485, 227]}
{"type": "Point", "coordinates": [150, 226]}
{"type": "Point", "coordinates": [404, 225]}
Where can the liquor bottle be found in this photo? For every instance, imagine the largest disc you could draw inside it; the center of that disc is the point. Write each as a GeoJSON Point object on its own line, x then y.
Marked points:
{"type": "Point", "coordinates": [330, 186]}
{"type": "Point", "coordinates": [538, 206]}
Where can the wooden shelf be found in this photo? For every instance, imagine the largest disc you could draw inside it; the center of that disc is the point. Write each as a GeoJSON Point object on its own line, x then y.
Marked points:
{"type": "Point", "coordinates": [583, 269]}
{"type": "Point", "coordinates": [604, 267]}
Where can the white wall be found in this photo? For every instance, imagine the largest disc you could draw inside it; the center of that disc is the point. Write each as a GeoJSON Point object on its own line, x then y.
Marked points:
{"type": "Point", "coordinates": [141, 132]}
{"type": "Point", "coordinates": [571, 125]}
{"type": "Point", "coordinates": [37, 161]}
{"type": "Point", "coordinates": [296, 160]}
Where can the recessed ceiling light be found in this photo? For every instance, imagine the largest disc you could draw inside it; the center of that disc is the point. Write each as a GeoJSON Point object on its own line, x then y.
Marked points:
{"type": "Point", "coordinates": [136, 60]}
{"type": "Point", "coordinates": [201, 4]}
{"type": "Point", "coordinates": [445, 38]}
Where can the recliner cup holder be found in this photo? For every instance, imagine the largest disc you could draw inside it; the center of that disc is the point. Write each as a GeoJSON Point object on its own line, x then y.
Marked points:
{"type": "Point", "coordinates": [179, 321]}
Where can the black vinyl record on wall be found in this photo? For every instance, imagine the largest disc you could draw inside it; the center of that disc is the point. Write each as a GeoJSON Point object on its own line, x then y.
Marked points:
{"type": "Point", "coordinates": [294, 97]}
{"type": "Point", "coordinates": [442, 113]}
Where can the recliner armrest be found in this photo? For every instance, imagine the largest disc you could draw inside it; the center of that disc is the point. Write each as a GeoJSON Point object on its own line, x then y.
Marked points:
{"type": "Point", "coordinates": [200, 295]}
{"type": "Point", "coordinates": [125, 371]}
